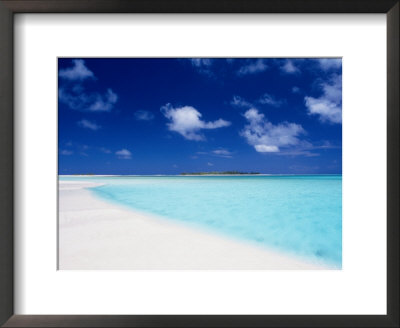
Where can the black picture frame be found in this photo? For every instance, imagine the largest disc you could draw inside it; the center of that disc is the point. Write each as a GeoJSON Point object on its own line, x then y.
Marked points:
{"type": "Point", "coordinates": [10, 7]}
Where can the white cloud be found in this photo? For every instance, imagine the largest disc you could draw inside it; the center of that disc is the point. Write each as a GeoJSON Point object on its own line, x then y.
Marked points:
{"type": "Point", "coordinates": [327, 110]}
{"type": "Point", "coordinates": [308, 149]}
{"type": "Point", "coordinates": [77, 72]}
{"type": "Point", "coordinates": [72, 91]}
{"type": "Point", "coordinates": [266, 137]}
{"type": "Point", "coordinates": [210, 164]}
{"type": "Point", "coordinates": [144, 115]}
{"type": "Point", "coordinates": [328, 107]}
{"type": "Point", "coordinates": [267, 99]}
{"type": "Point", "coordinates": [298, 152]}
{"type": "Point", "coordinates": [203, 65]}
{"type": "Point", "coordinates": [76, 98]}
{"type": "Point", "coordinates": [330, 63]}
{"type": "Point", "coordinates": [238, 101]}
{"type": "Point", "coordinates": [66, 152]}
{"type": "Point", "coordinates": [201, 62]}
{"type": "Point", "coordinates": [289, 67]}
{"type": "Point", "coordinates": [266, 149]}
{"type": "Point", "coordinates": [88, 125]}
{"type": "Point", "coordinates": [187, 122]}
{"type": "Point", "coordinates": [104, 103]}
{"type": "Point", "coordinates": [222, 153]}
{"type": "Point", "coordinates": [253, 67]}
{"type": "Point", "coordinates": [296, 89]}
{"type": "Point", "coordinates": [123, 154]}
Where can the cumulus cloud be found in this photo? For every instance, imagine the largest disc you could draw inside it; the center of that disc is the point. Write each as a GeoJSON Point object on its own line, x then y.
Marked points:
{"type": "Point", "coordinates": [72, 91]}
{"type": "Point", "coordinates": [187, 122]}
{"type": "Point", "coordinates": [253, 67]}
{"type": "Point", "coordinates": [88, 125]}
{"type": "Point", "coordinates": [266, 148]}
{"type": "Point", "coordinates": [123, 154]}
{"type": "Point", "coordinates": [78, 99]}
{"type": "Point", "coordinates": [267, 99]}
{"type": "Point", "coordinates": [238, 101]}
{"type": "Point", "coordinates": [144, 115]}
{"type": "Point", "coordinates": [328, 107]}
{"type": "Point", "coordinates": [203, 65]}
{"type": "Point", "coordinates": [266, 137]}
{"type": "Point", "coordinates": [289, 67]}
{"type": "Point", "coordinates": [201, 62]}
{"type": "Point", "coordinates": [330, 63]}
{"type": "Point", "coordinates": [77, 72]}
{"type": "Point", "coordinates": [104, 103]}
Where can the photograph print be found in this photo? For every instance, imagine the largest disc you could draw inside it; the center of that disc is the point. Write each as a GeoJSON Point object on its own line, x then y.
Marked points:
{"type": "Point", "coordinates": [200, 163]}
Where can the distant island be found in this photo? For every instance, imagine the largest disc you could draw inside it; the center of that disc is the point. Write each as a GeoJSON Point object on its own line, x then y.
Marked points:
{"type": "Point", "coordinates": [219, 173]}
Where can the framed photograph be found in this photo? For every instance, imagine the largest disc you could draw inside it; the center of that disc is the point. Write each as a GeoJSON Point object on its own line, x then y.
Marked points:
{"type": "Point", "coordinates": [162, 187]}
{"type": "Point", "coordinates": [199, 164]}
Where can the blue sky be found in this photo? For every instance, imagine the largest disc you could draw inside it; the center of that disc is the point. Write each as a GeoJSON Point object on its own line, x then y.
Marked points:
{"type": "Point", "coordinates": [171, 115]}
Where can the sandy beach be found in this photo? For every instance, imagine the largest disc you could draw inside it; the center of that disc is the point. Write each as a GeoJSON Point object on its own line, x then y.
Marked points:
{"type": "Point", "coordinates": [96, 234]}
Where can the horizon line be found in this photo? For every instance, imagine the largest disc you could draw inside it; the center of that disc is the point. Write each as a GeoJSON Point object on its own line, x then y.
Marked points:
{"type": "Point", "coordinates": [268, 174]}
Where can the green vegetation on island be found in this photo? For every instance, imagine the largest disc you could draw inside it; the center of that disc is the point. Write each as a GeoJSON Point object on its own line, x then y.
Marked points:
{"type": "Point", "coordinates": [219, 173]}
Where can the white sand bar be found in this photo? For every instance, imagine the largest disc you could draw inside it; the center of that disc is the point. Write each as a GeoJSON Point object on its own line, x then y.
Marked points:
{"type": "Point", "coordinates": [96, 234]}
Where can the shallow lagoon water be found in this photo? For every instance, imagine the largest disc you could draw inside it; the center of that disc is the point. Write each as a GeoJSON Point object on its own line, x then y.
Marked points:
{"type": "Point", "coordinates": [299, 215]}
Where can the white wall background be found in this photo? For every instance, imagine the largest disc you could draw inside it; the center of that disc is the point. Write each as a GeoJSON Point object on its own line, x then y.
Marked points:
{"type": "Point", "coordinates": [360, 288]}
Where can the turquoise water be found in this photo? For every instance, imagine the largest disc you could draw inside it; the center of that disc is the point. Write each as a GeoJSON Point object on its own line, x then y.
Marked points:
{"type": "Point", "coordinates": [300, 215]}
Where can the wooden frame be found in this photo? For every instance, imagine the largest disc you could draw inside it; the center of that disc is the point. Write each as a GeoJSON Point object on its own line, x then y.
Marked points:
{"type": "Point", "coordinates": [7, 10]}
